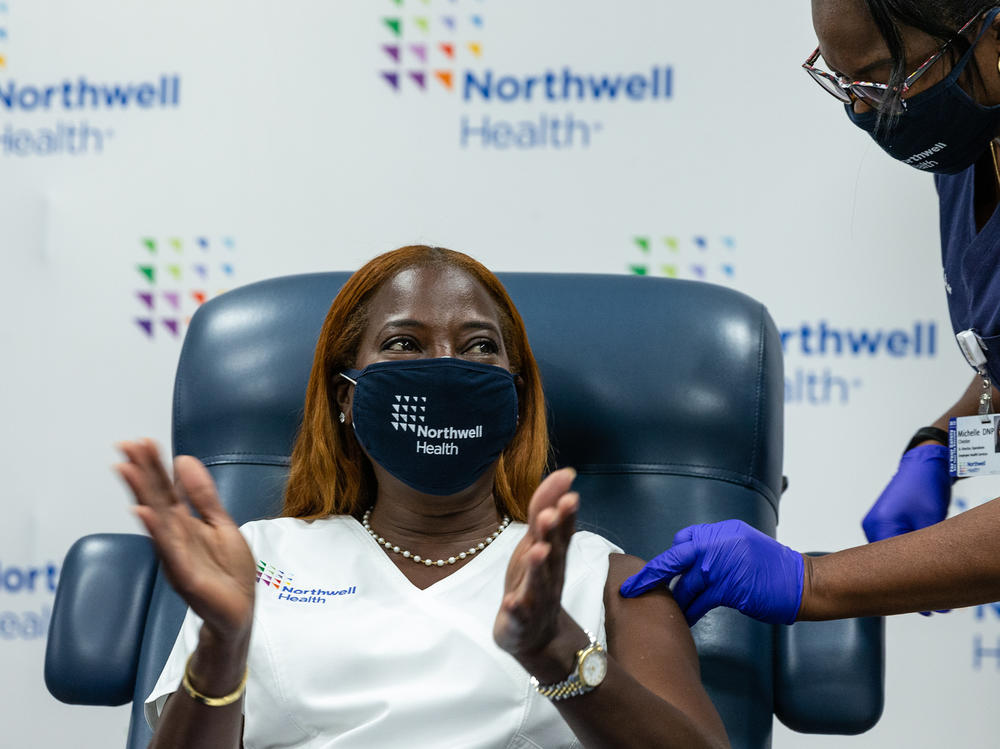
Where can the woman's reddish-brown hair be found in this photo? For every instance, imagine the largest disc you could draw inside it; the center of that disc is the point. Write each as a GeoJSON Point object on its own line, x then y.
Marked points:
{"type": "Point", "coordinates": [329, 473]}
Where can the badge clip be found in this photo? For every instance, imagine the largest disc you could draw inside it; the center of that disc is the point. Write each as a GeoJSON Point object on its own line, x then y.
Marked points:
{"type": "Point", "coordinates": [974, 349]}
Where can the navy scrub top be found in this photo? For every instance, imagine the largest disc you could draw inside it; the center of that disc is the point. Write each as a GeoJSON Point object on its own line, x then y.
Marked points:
{"type": "Point", "coordinates": [971, 263]}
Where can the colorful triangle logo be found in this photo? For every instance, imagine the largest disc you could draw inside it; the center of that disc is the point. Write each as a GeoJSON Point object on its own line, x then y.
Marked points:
{"type": "Point", "coordinates": [419, 77]}
{"type": "Point", "coordinates": [395, 25]}
{"type": "Point", "coordinates": [445, 77]}
{"type": "Point", "coordinates": [146, 325]}
{"type": "Point", "coordinates": [392, 79]}
{"type": "Point", "coordinates": [476, 48]}
{"type": "Point", "coordinates": [448, 49]}
{"type": "Point", "coordinates": [148, 271]}
{"type": "Point", "coordinates": [392, 50]}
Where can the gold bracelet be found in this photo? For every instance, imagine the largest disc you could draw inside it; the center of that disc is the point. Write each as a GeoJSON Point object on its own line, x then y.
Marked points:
{"type": "Point", "coordinates": [197, 696]}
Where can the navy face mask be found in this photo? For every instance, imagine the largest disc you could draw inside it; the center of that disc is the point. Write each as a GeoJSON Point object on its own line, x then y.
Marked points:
{"type": "Point", "coordinates": [942, 130]}
{"type": "Point", "coordinates": [435, 424]}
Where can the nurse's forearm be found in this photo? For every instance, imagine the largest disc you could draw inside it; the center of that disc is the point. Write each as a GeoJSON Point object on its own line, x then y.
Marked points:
{"type": "Point", "coordinates": [968, 404]}
{"type": "Point", "coordinates": [951, 564]}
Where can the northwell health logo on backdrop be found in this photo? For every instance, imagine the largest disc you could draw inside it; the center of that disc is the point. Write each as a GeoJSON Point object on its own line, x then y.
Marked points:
{"type": "Point", "coordinates": [441, 47]}
{"type": "Point", "coordinates": [848, 346]}
{"type": "Point", "coordinates": [820, 357]}
{"type": "Point", "coordinates": [18, 582]}
{"type": "Point", "coordinates": [277, 580]}
{"type": "Point", "coordinates": [699, 257]}
{"type": "Point", "coordinates": [178, 275]}
{"type": "Point", "coordinates": [80, 107]}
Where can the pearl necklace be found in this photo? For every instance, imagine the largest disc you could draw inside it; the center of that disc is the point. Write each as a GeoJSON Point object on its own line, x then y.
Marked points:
{"type": "Point", "coordinates": [430, 562]}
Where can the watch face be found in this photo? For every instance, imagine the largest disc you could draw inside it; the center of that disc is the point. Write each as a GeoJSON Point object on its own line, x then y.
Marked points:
{"type": "Point", "coordinates": [593, 668]}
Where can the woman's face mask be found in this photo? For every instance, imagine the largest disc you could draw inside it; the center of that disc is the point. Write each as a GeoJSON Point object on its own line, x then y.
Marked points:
{"type": "Point", "coordinates": [435, 424]}
{"type": "Point", "coordinates": [942, 130]}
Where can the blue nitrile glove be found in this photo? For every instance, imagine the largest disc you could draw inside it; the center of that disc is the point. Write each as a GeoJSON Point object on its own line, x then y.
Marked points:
{"type": "Point", "coordinates": [727, 564]}
{"type": "Point", "coordinates": [917, 496]}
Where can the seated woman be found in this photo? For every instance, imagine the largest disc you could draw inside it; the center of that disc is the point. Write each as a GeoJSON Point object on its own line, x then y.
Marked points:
{"type": "Point", "coordinates": [423, 587]}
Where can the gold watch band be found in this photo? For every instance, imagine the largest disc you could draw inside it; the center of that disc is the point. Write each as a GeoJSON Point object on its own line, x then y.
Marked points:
{"type": "Point", "coordinates": [572, 685]}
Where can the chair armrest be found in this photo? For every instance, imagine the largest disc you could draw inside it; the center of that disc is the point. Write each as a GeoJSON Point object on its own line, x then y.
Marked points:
{"type": "Point", "coordinates": [98, 618]}
{"type": "Point", "coordinates": [829, 676]}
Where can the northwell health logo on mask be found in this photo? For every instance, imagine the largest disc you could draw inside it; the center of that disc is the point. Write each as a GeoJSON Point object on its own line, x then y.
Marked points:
{"type": "Point", "coordinates": [275, 579]}
{"type": "Point", "coordinates": [449, 419]}
{"type": "Point", "coordinates": [409, 412]}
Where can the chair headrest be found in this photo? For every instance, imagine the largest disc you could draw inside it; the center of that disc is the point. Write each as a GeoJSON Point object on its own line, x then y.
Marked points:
{"type": "Point", "coordinates": [642, 375]}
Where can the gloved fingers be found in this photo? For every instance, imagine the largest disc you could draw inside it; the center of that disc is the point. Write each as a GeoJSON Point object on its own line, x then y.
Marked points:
{"type": "Point", "coordinates": [879, 529]}
{"type": "Point", "coordinates": [689, 587]}
{"type": "Point", "coordinates": [660, 570]}
{"type": "Point", "coordinates": [700, 606]}
{"type": "Point", "coordinates": [684, 535]}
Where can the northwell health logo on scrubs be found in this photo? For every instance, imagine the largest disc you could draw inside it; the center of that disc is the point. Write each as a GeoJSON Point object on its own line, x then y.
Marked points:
{"type": "Point", "coordinates": [271, 577]}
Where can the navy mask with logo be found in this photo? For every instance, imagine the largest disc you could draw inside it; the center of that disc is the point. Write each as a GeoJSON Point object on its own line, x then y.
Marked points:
{"type": "Point", "coordinates": [942, 130]}
{"type": "Point", "coordinates": [435, 424]}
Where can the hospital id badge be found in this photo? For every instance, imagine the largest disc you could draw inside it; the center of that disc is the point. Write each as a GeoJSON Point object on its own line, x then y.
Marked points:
{"type": "Point", "coordinates": [974, 445]}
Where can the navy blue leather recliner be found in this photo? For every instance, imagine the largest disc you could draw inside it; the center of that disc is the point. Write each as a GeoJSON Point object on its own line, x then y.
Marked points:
{"type": "Point", "coordinates": [665, 395]}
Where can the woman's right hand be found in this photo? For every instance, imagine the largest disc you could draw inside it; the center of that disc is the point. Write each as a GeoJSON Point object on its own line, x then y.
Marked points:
{"type": "Point", "coordinates": [206, 559]}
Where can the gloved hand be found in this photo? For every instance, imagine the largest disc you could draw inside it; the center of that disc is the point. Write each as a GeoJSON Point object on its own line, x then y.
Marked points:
{"type": "Point", "coordinates": [727, 564]}
{"type": "Point", "coordinates": [917, 496]}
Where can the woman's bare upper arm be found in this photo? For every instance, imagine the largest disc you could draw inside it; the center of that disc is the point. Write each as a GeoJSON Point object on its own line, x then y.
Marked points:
{"type": "Point", "coordinates": [650, 639]}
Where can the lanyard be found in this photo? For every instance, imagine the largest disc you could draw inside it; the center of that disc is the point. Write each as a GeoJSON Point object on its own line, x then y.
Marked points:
{"type": "Point", "coordinates": [975, 353]}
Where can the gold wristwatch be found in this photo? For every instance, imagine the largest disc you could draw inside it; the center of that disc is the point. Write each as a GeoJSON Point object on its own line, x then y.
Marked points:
{"type": "Point", "coordinates": [591, 668]}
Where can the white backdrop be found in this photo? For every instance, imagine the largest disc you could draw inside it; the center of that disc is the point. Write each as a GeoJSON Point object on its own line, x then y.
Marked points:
{"type": "Point", "coordinates": [154, 153]}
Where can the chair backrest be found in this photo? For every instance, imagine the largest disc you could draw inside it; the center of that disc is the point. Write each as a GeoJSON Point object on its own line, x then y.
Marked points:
{"type": "Point", "coordinates": [665, 395]}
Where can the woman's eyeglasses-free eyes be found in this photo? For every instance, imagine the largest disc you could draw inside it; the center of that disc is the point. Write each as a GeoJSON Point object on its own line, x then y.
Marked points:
{"type": "Point", "coordinates": [876, 95]}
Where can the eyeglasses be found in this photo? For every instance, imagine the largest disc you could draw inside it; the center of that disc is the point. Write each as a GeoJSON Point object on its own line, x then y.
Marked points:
{"type": "Point", "coordinates": [877, 95]}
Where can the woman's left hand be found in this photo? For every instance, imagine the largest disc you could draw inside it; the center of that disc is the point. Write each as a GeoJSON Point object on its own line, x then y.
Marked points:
{"type": "Point", "coordinates": [529, 612]}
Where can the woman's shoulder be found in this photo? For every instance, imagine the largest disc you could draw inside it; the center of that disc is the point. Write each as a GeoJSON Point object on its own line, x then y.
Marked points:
{"type": "Point", "coordinates": [284, 527]}
{"type": "Point", "coordinates": [589, 542]}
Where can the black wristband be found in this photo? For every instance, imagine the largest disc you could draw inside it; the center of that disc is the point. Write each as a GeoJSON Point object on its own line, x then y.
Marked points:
{"type": "Point", "coordinates": [927, 433]}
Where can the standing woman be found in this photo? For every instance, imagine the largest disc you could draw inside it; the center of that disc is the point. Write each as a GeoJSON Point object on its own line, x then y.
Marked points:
{"type": "Point", "coordinates": [922, 77]}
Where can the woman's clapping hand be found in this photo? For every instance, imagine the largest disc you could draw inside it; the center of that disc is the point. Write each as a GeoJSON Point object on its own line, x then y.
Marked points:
{"type": "Point", "coordinates": [529, 613]}
{"type": "Point", "coordinates": [205, 558]}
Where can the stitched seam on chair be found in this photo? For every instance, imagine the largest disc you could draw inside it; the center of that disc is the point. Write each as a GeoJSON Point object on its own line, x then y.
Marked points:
{"type": "Point", "coordinates": [247, 458]}
{"type": "Point", "coordinates": [682, 469]}
{"type": "Point", "coordinates": [757, 396]}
